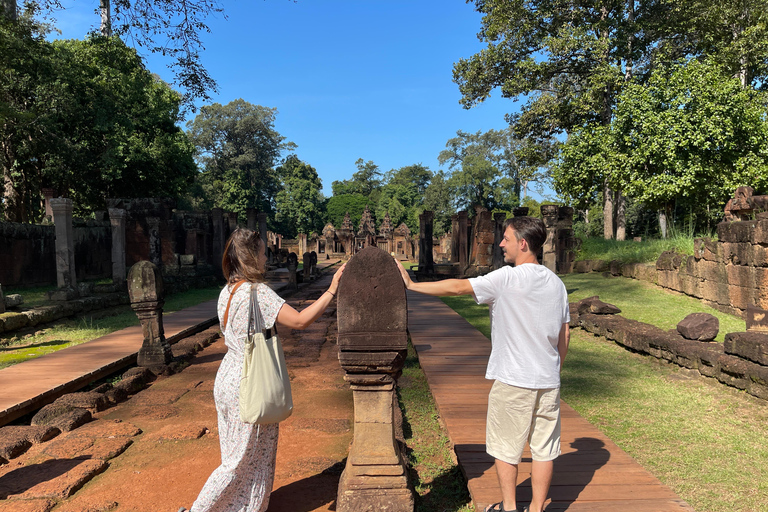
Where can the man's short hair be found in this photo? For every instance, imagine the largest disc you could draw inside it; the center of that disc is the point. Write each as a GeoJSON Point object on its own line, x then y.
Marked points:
{"type": "Point", "coordinates": [530, 229]}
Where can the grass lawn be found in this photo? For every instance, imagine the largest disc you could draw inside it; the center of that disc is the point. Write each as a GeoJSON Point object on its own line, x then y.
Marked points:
{"type": "Point", "coordinates": [628, 251]}
{"type": "Point", "coordinates": [706, 441]}
{"type": "Point", "coordinates": [645, 302]}
{"type": "Point", "coordinates": [437, 479]}
{"type": "Point", "coordinates": [72, 332]}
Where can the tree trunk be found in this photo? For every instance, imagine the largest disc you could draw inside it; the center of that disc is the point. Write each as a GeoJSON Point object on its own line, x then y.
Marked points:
{"type": "Point", "coordinates": [621, 221]}
{"type": "Point", "coordinates": [663, 223]}
{"type": "Point", "coordinates": [630, 39]}
{"type": "Point", "coordinates": [8, 8]}
{"type": "Point", "coordinates": [607, 211]}
{"type": "Point", "coordinates": [106, 18]}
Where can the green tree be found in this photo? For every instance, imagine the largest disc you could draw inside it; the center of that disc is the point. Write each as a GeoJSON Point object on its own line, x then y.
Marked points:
{"type": "Point", "coordinates": [689, 136]}
{"type": "Point", "coordinates": [403, 194]}
{"type": "Point", "coordinates": [338, 206]}
{"type": "Point", "coordinates": [366, 181]}
{"type": "Point", "coordinates": [299, 205]}
{"type": "Point", "coordinates": [438, 199]}
{"type": "Point", "coordinates": [237, 148]}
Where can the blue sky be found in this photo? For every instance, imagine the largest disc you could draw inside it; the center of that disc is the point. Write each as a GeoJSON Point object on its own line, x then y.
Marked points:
{"type": "Point", "coordinates": [350, 79]}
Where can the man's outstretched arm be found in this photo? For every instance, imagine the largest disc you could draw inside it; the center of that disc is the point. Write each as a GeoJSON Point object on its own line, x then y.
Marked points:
{"type": "Point", "coordinates": [438, 288]}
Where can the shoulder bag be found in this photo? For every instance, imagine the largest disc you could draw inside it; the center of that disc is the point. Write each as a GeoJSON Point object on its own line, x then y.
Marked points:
{"type": "Point", "coordinates": [265, 388]}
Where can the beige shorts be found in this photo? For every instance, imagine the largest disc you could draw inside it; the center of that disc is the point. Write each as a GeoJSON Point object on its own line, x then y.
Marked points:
{"type": "Point", "coordinates": [517, 415]}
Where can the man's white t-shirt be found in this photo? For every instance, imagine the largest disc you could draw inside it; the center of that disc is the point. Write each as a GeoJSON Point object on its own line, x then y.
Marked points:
{"type": "Point", "coordinates": [528, 305]}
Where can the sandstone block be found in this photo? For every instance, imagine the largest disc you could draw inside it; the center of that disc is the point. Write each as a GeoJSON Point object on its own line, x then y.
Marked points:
{"type": "Point", "coordinates": [13, 321]}
{"type": "Point", "coordinates": [739, 275]}
{"type": "Point", "coordinates": [57, 479]}
{"type": "Point", "coordinates": [13, 446]}
{"type": "Point", "coordinates": [752, 346]}
{"type": "Point", "coordinates": [739, 231]}
{"type": "Point", "coordinates": [690, 285]}
{"type": "Point", "coordinates": [711, 250]}
{"type": "Point", "coordinates": [582, 267]}
{"type": "Point", "coordinates": [699, 326]}
{"type": "Point", "coordinates": [760, 233]}
{"type": "Point", "coordinates": [741, 297]}
{"type": "Point", "coordinates": [90, 400]}
{"type": "Point", "coordinates": [39, 505]}
{"type": "Point", "coordinates": [595, 306]}
{"type": "Point", "coordinates": [13, 300]}
{"type": "Point", "coordinates": [713, 271]}
{"type": "Point", "coordinates": [759, 257]}
{"type": "Point", "coordinates": [737, 253]}
{"type": "Point", "coordinates": [734, 372]}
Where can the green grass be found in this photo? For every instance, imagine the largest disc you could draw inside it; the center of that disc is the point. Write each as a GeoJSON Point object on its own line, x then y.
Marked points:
{"type": "Point", "coordinates": [72, 332]}
{"type": "Point", "coordinates": [437, 479]}
{"type": "Point", "coordinates": [702, 439]}
{"type": "Point", "coordinates": [646, 302]}
{"type": "Point", "coordinates": [628, 251]}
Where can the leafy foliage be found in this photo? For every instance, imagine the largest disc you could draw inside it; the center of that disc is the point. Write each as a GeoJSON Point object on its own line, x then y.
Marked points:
{"type": "Point", "coordinates": [339, 205]}
{"type": "Point", "coordinates": [299, 205]}
{"type": "Point", "coordinates": [237, 148]}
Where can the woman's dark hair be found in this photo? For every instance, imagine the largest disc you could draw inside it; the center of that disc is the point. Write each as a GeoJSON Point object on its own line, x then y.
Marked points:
{"type": "Point", "coordinates": [530, 229]}
{"type": "Point", "coordinates": [241, 257]}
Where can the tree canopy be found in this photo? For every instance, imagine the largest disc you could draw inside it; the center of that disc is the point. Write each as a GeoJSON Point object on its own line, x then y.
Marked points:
{"type": "Point", "coordinates": [299, 205]}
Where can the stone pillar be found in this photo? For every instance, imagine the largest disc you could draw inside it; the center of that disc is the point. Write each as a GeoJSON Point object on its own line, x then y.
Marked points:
{"type": "Point", "coordinates": [566, 240]}
{"type": "Point", "coordinates": [306, 260]}
{"type": "Point", "coordinates": [155, 241]}
{"type": "Point", "coordinates": [498, 236]}
{"type": "Point", "coordinates": [520, 211]}
{"type": "Point", "coordinates": [145, 289]}
{"type": "Point", "coordinates": [292, 263]}
{"type": "Point", "coordinates": [302, 238]}
{"type": "Point", "coordinates": [313, 265]}
{"type": "Point", "coordinates": [48, 194]}
{"type": "Point", "coordinates": [262, 218]}
{"type": "Point", "coordinates": [231, 221]}
{"type": "Point", "coordinates": [117, 219]}
{"type": "Point", "coordinates": [463, 242]}
{"type": "Point", "coordinates": [2, 300]}
{"type": "Point", "coordinates": [454, 238]}
{"type": "Point", "coordinates": [66, 279]}
{"type": "Point", "coordinates": [373, 336]}
{"type": "Point", "coordinates": [549, 213]}
{"type": "Point", "coordinates": [252, 219]}
{"type": "Point", "coordinates": [217, 217]}
{"type": "Point", "coordinates": [426, 261]}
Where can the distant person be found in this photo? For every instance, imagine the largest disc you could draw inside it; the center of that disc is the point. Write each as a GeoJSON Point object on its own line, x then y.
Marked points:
{"type": "Point", "coordinates": [529, 337]}
{"type": "Point", "coordinates": [243, 481]}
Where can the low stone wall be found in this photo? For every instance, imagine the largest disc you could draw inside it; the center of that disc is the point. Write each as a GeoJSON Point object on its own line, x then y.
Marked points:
{"type": "Point", "coordinates": [709, 359]}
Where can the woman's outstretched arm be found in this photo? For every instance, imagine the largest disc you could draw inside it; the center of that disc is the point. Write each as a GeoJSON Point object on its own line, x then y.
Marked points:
{"type": "Point", "coordinates": [289, 317]}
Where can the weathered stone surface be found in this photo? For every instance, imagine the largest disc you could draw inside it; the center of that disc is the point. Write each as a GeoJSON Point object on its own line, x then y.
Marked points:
{"type": "Point", "coordinates": [13, 300]}
{"type": "Point", "coordinates": [128, 386]}
{"type": "Point", "coordinates": [107, 429]}
{"type": "Point", "coordinates": [33, 434]}
{"type": "Point", "coordinates": [12, 446]}
{"type": "Point", "coordinates": [757, 319]}
{"type": "Point", "coordinates": [669, 260]}
{"type": "Point", "coordinates": [748, 345]}
{"type": "Point", "coordinates": [178, 432]}
{"type": "Point", "coordinates": [12, 321]}
{"type": "Point", "coordinates": [87, 447]}
{"type": "Point", "coordinates": [41, 505]}
{"type": "Point", "coordinates": [699, 326]}
{"type": "Point", "coordinates": [596, 306]}
{"type": "Point", "coordinates": [89, 400]}
{"type": "Point", "coordinates": [50, 479]}
{"type": "Point", "coordinates": [63, 417]}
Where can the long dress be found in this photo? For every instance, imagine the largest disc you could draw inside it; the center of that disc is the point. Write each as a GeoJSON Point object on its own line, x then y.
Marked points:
{"type": "Point", "coordinates": [243, 481]}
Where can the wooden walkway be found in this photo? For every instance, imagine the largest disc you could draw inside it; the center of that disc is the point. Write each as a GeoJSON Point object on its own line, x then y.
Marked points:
{"type": "Point", "coordinates": [592, 474]}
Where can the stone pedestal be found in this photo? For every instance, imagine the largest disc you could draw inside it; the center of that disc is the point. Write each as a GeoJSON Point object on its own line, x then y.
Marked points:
{"type": "Point", "coordinates": [373, 336]}
{"type": "Point", "coordinates": [313, 265]}
{"type": "Point", "coordinates": [306, 260]}
{"type": "Point", "coordinates": [66, 278]}
{"type": "Point", "coordinates": [145, 289]}
{"type": "Point", "coordinates": [117, 219]}
{"type": "Point", "coordinates": [498, 236]}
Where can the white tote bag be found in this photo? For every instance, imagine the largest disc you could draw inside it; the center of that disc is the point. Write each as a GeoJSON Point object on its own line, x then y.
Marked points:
{"type": "Point", "coordinates": [265, 388]}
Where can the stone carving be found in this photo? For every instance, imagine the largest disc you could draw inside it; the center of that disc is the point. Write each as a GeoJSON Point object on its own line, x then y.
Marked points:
{"type": "Point", "coordinates": [699, 326]}
{"type": "Point", "coordinates": [372, 339]}
{"type": "Point", "coordinates": [744, 204]}
{"type": "Point", "coordinates": [426, 261]}
{"type": "Point", "coordinates": [306, 260]}
{"type": "Point", "coordinates": [313, 265]}
{"type": "Point", "coordinates": [66, 278]}
{"type": "Point", "coordinates": [292, 263]}
{"type": "Point", "coordinates": [145, 288]}
{"type": "Point", "coordinates": [117, 220]}
{"type": "Point", "coordinates": [595, 306]}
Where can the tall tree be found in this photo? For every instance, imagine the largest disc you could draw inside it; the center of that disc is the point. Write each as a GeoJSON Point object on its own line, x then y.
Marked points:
{"type": "Point", "coordinates": [299, 205]}
{"type": "Point", "coordinates": [403, 194]}
{"type": "Point", "coordinates": [237, 148]}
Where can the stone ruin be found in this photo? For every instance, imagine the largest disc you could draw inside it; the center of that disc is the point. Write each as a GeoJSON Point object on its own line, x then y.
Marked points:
{"type": "Point", "coordinates": [372, 339]}
{"type": "Point", "coordinates": [145, 288]}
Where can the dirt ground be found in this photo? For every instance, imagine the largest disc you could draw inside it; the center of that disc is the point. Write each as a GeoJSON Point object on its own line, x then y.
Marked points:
{"type": "Point", "coordinates": [155, 451]}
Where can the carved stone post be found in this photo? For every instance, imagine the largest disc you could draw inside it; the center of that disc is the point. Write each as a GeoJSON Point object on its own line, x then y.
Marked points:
{"type": "Point", "coordinates": [252, 219]}
{"type": "Point", "coordinates": [549, 213]}
{"type": "Point", "coordinates": [117, 219]}
{"type": "Point", "coordinates": [145, 289]}
{"type": "Point", "coordinates": [292, 263]}
{"type": "Point", "coordinates": [66, 278]}
{"type": "Point", "coordinates": [520, 211]}
{"type": "Point", "coordinates": [217, 217]}
{"type": "Point", "coordinates": [2, 300]}
{"type": "Point", "coordinates": [426, 261]}
{"type": "Point", "coordinates": [498, 236]}
{"type": "Point", "coordinates": [48, 194]}
{"type": "Point", "coordinates": [306, 260]}
{"type": "Point", "coordinates": [454, 238]}
{"type": "Point", "coordinates": [231, 221]}
{"type": "Point", "coordinates": [373, 336]}
{"type": "Point", "coordinates": [463, 237]}
{"type": "Point", "coordinates": [313, 263]}
{"type": "Point", "coordinates": [262, 218]}
{"type": "Point", "coordinates": [155, 241]}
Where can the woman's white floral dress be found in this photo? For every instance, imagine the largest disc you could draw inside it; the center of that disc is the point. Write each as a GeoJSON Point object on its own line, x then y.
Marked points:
{"type": "Point", "coordinates": [243, 481]}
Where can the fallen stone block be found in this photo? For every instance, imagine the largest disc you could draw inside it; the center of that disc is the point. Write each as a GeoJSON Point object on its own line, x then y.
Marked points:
{"type": "Point", "coordinates": [13, 300]}
{"type": "Point", "coordinates": [11, 447]}
{"type": "Point", "coordinates": [57, 479]}
{"type": "Point", "coordinates": [130, 385]}
{"type": "Point", "coordinates": [33, 434]}
{"type": "Point", "coordinates": [750, 345]}
{"type": "Point", "coordinates": [107, 429]}
{"type": "Point", "coordinates": [13, 321]}
{"type": "Point", "coordinates": [595, 306]}
{"type": "Point", "coordinates": [699, 326]}
{"type": "Point", "coordinates": [65, 418]}
{"type": "Point", "coordinates": [41, 505]}
{"type": "Point", "coordinates": [89, 400]}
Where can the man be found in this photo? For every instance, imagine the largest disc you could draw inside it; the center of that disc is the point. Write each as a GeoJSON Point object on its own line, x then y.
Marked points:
{"type": "Point", "coordinates": [529, 337]}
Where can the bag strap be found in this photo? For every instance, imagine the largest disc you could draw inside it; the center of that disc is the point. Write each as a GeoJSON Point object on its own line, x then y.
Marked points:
{"type": "Point", "coordinates": [256, 310]}
{"type": "Point", "coordinates": [231, 294]}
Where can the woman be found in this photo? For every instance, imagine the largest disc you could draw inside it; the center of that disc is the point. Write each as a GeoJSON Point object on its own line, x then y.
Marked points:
{"type": "Point", "coordinates": [243, 481]}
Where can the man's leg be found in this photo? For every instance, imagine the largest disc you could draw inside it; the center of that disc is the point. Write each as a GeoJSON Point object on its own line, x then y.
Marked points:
{"type": "Point", "coordinates": [507, 474]}
{"type": "Point", "coordinates": [541, 478]}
